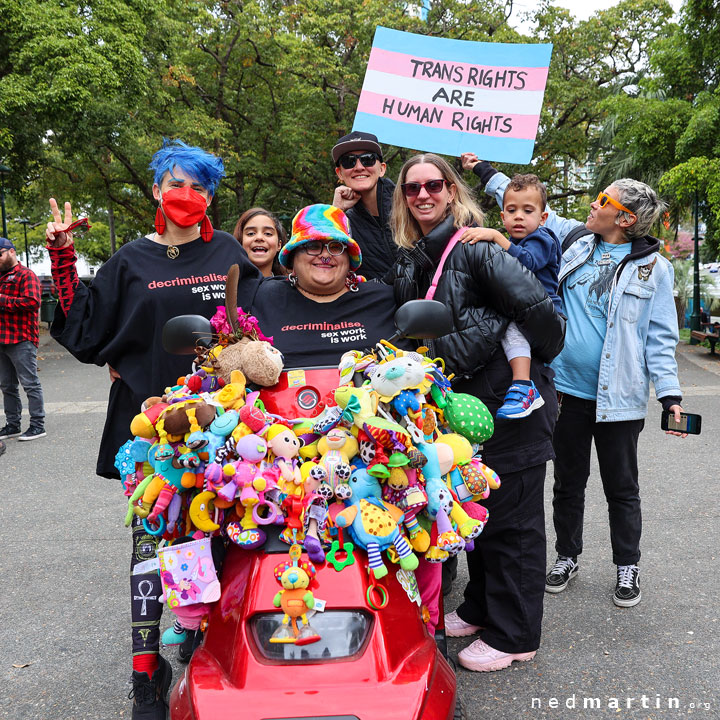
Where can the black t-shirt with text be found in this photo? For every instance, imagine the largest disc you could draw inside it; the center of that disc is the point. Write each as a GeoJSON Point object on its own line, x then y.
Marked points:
{"type": "Point", "coordinates": [312, 334]}
{"type": "Point", "coordinates": [119, 319]}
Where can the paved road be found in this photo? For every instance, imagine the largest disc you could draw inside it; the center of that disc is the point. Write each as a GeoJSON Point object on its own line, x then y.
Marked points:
{"type": "Point", "coordinates": [65, 648]}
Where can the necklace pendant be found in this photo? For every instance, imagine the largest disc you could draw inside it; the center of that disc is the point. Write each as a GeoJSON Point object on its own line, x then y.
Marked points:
{"type": "Point", "coordinates": [605, 259]}
{"type": "Point", "coordinates": [173, 251]}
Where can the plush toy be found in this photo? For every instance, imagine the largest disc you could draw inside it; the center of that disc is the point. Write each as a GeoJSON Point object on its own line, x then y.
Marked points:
{"type": "Point", "coordinates": [207, 443]}
{"type": "Point", "coordinates": [308, 437]}
{"type": "Point", "coordinates": [336, 449]}
{"type": "Point", "coordinates": [187, 415]}
{"type": "Point", "coordinates": [359, 404]}
{"type": "Point", "coordinates": [295, 599]}
{"type": "Point", "coordinates": [258, 360]}
{"type": "Point", "coordinates": [405, 491]}
{"type": "Point", "coordinates": [247, 481]}
{"type": "Point", "coordinates": [404, 372]}
{"type": "Point", "coordinates": [373, 524]}
{"type": "Point", "coordinates": [199, 512]}
{"type": "Point", "coordinates": [201, 381]}
{"type": "Point", "coordinates": [285, 448]}
{"type": "Point", "coordinates": [232, 395]}
{"type": "Point", "coordinates": [143, 424]}
{"type": "Point", "coordinates": [440, 461]}
{"type": "Point", "coordinates": [245, 349]}
{"type": "Point", "coordinates": [468, 416]}
{"type": "Point", "coordinates": [170, 477]}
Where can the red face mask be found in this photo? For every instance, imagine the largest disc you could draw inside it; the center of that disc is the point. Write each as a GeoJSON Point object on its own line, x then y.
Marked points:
{"type": "Point", "coordinates": [183, 206]}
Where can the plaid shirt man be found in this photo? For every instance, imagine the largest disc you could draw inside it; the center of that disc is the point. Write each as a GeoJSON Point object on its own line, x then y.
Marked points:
{"type": "Point", "coordinates": [19, 304]}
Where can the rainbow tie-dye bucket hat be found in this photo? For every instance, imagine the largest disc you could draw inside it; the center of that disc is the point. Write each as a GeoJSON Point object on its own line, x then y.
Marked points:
{"type": "Point", "coordinates": [321, 222]}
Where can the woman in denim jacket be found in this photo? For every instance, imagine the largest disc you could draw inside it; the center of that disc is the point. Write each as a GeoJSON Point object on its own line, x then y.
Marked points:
{"type": "Point", "coordinates": [621, 333]}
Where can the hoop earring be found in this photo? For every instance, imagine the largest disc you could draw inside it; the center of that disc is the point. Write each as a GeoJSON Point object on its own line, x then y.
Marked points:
{"type": "Point", "coordinates": [351, 281]}
{"type": "Point", "coordinates": [293, 278]}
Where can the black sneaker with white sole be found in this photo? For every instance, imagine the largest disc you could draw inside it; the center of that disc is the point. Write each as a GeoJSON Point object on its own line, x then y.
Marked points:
{"type": "Point", "coordinates": [627, 591]}
{"type": "Point", "coordinates": [9, 431]}
{"type": "Point", "coordinates": [149, 694]}
{"type": "Point", "coordinates": [32, 433]}
{"type": "Point", "coordinates": [564, 569]}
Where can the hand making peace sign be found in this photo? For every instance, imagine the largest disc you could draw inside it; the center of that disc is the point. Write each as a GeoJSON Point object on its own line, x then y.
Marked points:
{"type": "Point", "coordinates": [56, 234]}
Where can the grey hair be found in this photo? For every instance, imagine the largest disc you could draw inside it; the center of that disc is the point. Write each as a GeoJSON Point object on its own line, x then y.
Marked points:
{"type": "Point", "coordinates": [643, 201]}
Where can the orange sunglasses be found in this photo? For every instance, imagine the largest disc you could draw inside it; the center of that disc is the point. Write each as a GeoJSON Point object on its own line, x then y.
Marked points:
{"type": "Point", "coordinates": [603, 199]}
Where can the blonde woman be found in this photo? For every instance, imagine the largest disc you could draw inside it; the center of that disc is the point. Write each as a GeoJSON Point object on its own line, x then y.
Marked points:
{"type": "Point", "coordinates": [485, 288]}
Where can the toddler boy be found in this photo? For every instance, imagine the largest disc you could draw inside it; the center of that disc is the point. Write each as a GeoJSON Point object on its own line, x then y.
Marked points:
{"type": "Point", "coordinates": [538, 249]}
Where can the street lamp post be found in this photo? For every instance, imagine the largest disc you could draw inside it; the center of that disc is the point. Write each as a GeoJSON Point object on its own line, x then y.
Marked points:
{"type": "Point", "coordinates": [4, 170]}
{"type": "Point", "coordinates": [25, 222]}
{"type": "Point", "coordinates": [695, 315]}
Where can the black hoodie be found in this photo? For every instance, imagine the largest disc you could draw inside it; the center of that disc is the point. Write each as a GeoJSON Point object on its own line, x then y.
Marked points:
{"type": "Point", "coordinates": [373, 233]}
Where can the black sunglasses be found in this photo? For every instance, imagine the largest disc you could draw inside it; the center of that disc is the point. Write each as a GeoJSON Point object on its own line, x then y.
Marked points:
{"type": "Point", "coordinates": [412, 189]}
{"type": "Point", "coordinates": [366, 160]}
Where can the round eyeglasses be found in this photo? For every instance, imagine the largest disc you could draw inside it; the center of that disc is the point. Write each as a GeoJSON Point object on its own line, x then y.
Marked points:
{"type": "Point", "coordinates": [316, 247]}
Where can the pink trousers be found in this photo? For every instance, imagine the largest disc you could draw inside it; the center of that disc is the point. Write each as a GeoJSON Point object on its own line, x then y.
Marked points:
{"type": "Point", "coordinates": [429, 579]}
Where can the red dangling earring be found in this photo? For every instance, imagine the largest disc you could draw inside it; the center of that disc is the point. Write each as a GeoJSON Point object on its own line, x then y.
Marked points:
{"type": "Point", "coordinates": [206, 229]}
{"type": "Point", "coordinates": [159, 222]}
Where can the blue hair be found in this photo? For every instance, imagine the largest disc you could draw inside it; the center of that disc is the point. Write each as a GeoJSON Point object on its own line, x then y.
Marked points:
{"type": "Point", "coordinates": [206, 168]}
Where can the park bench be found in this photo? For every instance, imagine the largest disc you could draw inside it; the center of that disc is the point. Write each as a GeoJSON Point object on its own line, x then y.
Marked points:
{"type": "Point", "coordinates": [712, 338]}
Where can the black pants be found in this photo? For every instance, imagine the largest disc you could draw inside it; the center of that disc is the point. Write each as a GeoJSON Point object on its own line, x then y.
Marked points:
{"type": "Point", "coordinates": [616, 447]}
{"type": "Point", "coordinates": [507, 566]}
{"type": "Point", "coordinates": [145, 593]}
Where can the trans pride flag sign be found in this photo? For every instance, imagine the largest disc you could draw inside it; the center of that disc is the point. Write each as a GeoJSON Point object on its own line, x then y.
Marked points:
{"type": "Point", "coordinates": [454, 96]}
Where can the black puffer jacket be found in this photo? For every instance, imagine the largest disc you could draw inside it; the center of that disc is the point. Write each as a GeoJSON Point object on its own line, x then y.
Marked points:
{"type": "Point", "coordinates": [373, 234]}
{"type": "Point", "coordinates": [484, 288]}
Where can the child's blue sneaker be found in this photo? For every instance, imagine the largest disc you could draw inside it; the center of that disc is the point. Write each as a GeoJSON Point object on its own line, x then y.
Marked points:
{"type": "Point", "coordinates": [520, 401]}
{"type": "Point", "coordinates": [171, 637]}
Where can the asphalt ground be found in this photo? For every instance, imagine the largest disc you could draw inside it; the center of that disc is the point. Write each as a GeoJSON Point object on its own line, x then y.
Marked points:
{"type": "Point", "coordinates": [65, 650]}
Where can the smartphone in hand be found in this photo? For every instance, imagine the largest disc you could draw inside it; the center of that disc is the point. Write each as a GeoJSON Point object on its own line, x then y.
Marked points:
{"type": "Point", "coordinates": [690, 423]}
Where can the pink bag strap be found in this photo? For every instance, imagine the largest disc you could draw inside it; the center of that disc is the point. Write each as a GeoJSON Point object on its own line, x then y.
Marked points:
{"type": "Point", "coordinates": [430, 294]}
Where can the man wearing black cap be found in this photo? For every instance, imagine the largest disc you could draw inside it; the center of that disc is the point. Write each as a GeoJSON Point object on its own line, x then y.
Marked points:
{"type": "Point", "coordinates": [19, 303]}
{"type": "Point", "coordinates": [366, 198]}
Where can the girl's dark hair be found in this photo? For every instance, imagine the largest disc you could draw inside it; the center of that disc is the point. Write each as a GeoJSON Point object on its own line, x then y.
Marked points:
{"type": "Point", "coordinates": [247, 216]}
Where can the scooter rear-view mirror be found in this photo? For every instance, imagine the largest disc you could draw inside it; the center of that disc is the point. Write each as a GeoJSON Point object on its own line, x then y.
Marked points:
{"type": "Point", "coordinates": [181, 334]}
{"type": "Point", "coordinates": [422, 320]}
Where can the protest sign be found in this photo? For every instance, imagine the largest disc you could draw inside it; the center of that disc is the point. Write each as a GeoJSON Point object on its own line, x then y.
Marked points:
{"type": "Point", "coordinates": [454, 96]}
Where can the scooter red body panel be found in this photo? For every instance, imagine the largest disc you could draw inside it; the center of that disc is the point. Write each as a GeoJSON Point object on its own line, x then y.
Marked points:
{"type": "Point", "coordinates": [301, 393]}
{"type": "Point", "coordinates": [396, 674]}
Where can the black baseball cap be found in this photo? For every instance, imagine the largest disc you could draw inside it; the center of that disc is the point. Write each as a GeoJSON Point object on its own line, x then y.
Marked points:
{"type": "Point", "coordinates": [5, 244]}
{"type": "Point", "coordinates": [356, 141]}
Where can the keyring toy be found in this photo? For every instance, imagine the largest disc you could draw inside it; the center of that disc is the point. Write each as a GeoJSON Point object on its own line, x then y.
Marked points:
{"type": "Point", "coordinates": [271, 516]}
{"type": "Point", "coordinates": [373, 588]}
{"type": "Point", "coordinates": [159, 530]}
{"type": "Point", "coordinates": [339, 546]}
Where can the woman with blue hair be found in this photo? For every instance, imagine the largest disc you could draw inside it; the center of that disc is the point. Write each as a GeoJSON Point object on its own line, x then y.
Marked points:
{"type": "Point", "coordinates": [180, 268]}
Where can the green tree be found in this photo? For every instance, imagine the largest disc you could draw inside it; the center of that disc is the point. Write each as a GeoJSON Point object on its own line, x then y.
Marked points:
{"type": "Point", "coordinates": [88, 90]}
{"type": "Point", "coordinates": [666, 130]}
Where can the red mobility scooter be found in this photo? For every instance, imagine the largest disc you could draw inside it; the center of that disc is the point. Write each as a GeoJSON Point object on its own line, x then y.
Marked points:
{"type": "Point", "coordinates": [374, 660]}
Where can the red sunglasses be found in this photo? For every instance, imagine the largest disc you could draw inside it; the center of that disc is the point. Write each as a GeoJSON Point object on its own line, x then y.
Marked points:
{"type": "Point", "coordinates": [412, 189]}
{"type": "Point", "coordinates": [80, 226]}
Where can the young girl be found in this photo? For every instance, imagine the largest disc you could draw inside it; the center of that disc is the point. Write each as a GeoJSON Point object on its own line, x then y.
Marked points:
{"type": "Point", "coordinates": [262, 236]}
